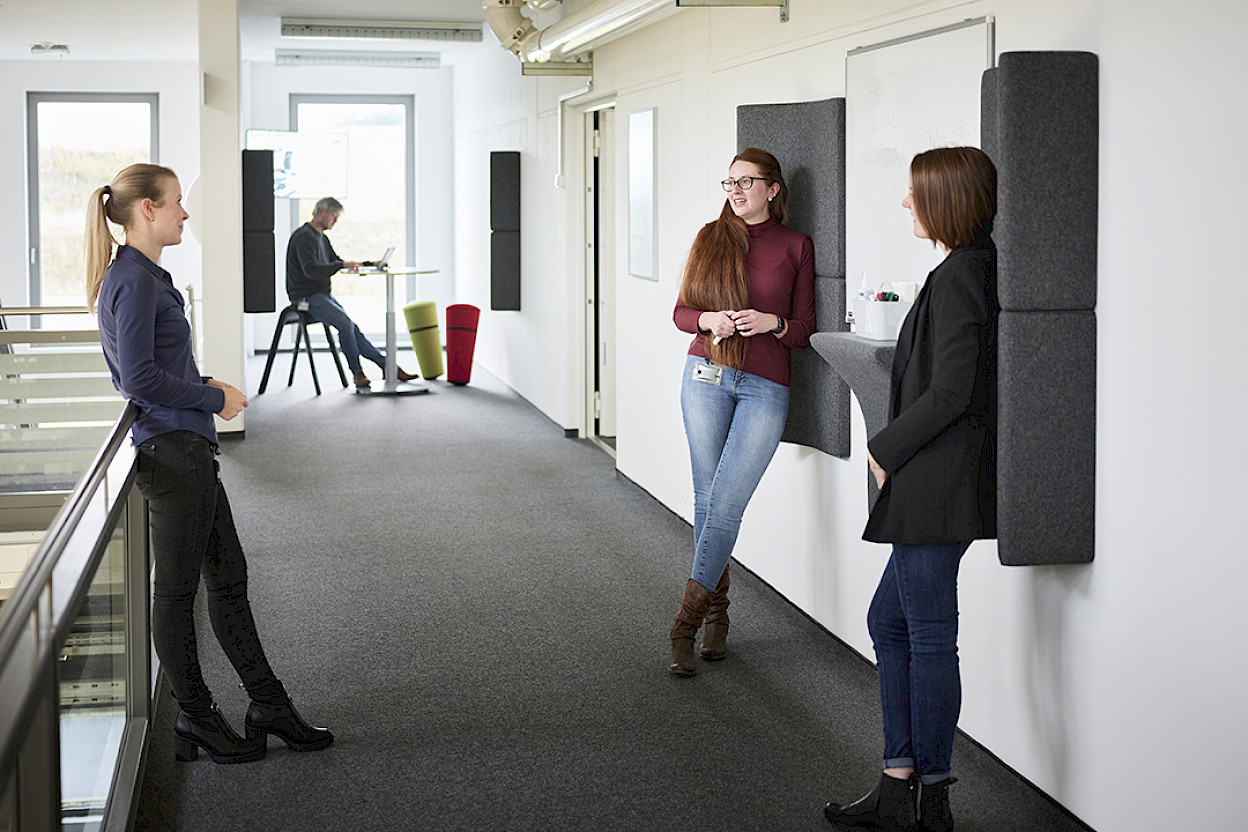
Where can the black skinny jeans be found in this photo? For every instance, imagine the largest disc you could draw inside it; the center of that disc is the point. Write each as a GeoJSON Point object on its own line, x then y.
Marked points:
{"type": "Point", "coordinates": [192, 534]}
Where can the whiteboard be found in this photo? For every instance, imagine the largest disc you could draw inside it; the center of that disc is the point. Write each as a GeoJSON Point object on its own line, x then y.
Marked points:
{"type": "Point", "coordinates": [902, 97]}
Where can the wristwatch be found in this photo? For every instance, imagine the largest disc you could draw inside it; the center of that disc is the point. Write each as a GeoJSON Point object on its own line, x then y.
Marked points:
{"type": "Point", "coordinates": [779, 327]}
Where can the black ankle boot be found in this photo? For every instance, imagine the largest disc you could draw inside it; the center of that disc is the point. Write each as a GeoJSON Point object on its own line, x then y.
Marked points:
{"type": "Point", "coordinates": [934, 814]}
{"type": "Point", "coordinates": [275, 714]}
{"type": "Point", "coordinates": [209, 730]}
{"type": "Point", "coordinates": [889, 807]}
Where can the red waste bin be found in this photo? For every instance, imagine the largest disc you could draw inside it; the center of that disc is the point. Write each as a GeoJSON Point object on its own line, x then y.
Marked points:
{"type": "Point", "coordinates": [461, 339]}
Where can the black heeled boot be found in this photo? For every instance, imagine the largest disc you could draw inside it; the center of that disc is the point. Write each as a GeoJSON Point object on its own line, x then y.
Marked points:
{"type": "Point", "coordinates": [889, 807]}
{"type": "Point", "coordinates": [272, 712]}
{"type": "Point", "coordinates": [934, 813]}
{"type": "Point", "coordinates": [209, 730]}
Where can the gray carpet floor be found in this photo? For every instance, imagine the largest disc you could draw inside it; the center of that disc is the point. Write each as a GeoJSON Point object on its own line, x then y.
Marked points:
{"type": "Point", "coordinates": [478, 607]}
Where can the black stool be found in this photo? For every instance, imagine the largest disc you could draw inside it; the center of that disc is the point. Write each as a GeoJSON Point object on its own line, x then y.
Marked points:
{"type": "Point", "coordinates": [302, 320]}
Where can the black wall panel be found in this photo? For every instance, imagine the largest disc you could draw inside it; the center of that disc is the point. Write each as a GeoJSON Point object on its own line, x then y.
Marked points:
{"type": "Point", "coordinates": [257, 190]}
{"type": "Point", "coordinates": [505, 230]}
{"type": "Point", "coordinates": [259, 272]}
{"type": "Point", "coordinates": [505, 271]}
{"type": "Point", "coordinates": [505, 190]}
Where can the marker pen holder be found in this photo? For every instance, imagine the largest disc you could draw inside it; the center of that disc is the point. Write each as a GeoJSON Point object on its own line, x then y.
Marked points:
{"type": "Point", "coordinates": [879, 320]}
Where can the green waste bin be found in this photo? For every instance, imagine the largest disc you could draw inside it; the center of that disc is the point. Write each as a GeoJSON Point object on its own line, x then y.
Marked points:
{"type": "Point", "coordinates": [422, 325]}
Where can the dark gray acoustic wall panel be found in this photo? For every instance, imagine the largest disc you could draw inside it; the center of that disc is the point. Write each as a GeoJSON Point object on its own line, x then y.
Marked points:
{"type": "Point", "coordinates": [505, 190]}
{"type": "Point", "coordinates": [259, 267]}
{"type": "Point", "coordinates": [257, 190]}
{"type": "Point", "coordinates": [1046, 437]}
{"type": "Point", "coordinates": [505, 271]}
{"type": "Point", "coordinates": [1046, 135]}
{"type": "Point", "coordinates": [1039, 124]}
{"type": "Point", "coordinates": [809, 140]}
{"type": "Point", "coordinates": [259, 272]}
{"type": "Point", "coordinates": [505, 230]}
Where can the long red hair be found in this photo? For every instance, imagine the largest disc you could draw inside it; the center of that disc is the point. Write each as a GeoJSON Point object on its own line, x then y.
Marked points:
{"type": "Point", "coordinates": [715, 276]}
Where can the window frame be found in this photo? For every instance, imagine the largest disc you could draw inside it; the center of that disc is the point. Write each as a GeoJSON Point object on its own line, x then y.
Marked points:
{"type": "Point", "coordinates": [34, 253]}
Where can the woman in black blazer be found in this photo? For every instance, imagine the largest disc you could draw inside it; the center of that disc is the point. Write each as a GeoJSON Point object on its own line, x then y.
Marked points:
{"type": "Point", "coordinates": [934, 464]}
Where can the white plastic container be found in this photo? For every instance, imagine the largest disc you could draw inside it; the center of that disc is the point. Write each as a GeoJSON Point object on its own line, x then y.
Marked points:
{"type": "Point", "coordinates": [880, 320]}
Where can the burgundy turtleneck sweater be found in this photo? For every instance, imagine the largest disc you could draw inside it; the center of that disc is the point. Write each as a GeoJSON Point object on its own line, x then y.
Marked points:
{"type": "Point", "coordinates": [780, 266]}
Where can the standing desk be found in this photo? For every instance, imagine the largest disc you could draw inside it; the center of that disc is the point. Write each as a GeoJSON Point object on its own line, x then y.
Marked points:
{"type": "Point", "coordinates": [392, 386]}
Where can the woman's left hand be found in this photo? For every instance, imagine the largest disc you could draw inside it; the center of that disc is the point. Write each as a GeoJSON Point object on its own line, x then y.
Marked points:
{"type": "Point", "coordinates": [880, 473]}
{"type": "Point", "coordinates": [752, 322]}
{"type": "Point", "coordinates": [213, 382]}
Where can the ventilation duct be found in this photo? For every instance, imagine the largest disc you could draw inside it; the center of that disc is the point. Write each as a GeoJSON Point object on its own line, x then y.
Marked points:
{"type": "Point", "coordinates": [577, 33]}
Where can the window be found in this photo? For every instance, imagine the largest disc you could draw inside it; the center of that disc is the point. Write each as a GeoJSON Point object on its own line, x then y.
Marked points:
{"type": "Point", "coordinates": [76, 143]}
{"type": "Point", "coordinates": [380, 191]}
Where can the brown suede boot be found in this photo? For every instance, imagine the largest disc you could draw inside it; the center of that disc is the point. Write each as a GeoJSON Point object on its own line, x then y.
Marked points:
{"type": "Point", "coordinates": [715, 631]}
{"type": "Point", "coordinates": [693, 606]}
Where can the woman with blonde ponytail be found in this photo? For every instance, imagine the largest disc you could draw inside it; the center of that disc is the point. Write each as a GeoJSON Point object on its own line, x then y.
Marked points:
{"type": "Point", "coordinates": [748, 297]}
{"type": "Point", "coordinates": [147, 344]}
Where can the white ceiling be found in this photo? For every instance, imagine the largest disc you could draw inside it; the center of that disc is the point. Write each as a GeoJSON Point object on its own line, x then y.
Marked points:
{"type": "Point", "coordinates": [111, 30]}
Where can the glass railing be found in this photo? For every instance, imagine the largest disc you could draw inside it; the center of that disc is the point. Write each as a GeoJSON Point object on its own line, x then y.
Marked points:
{"type": "Point", "coordinates": [76, 669]}
{"type": "Point", "coordinates": [56, 398]}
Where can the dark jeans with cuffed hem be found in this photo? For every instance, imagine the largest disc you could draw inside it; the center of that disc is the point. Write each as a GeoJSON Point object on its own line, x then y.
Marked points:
{"type": "Point", "coordinates": [192, 535]}
{"type": "Point", "coordinates": [913, 621]}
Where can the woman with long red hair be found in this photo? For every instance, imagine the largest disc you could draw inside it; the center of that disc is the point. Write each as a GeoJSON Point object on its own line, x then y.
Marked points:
{"type": "Point", "coordinates": [748, 297]}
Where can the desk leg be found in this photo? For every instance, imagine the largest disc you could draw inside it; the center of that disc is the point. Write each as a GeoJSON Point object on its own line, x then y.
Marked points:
{"type": "Point", "coordinates": [391, 386]}
{"type": "Point", "coordinates": [392, 361]}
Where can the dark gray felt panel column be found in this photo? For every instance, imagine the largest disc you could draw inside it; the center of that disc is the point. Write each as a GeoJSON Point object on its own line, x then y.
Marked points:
{"type": "Point", "coordinates": [1044, 138]}
{"type": "Point", "coordinates": [1046, 438]}
{"type": "Point", "coordinates": [1039, 123]}
{"type": "Point", "coordinates": [809, 140]}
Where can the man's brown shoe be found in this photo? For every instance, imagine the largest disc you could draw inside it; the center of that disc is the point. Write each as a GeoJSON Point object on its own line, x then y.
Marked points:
{"type": "Point", "coordinates": [406, 376]}
{"type": "Point", "coordinates": [361, 380]}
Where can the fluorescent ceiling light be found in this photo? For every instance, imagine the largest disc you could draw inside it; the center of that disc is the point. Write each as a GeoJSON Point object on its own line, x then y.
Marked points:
{"type": "Point", "coordinates": [325, 57]}
{"type": "Point", "coordinates": [307, 27]}
{"type": "Point", "coordinates": [58, 49]}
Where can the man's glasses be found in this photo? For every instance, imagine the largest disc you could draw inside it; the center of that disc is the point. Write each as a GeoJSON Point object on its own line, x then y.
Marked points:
{"type": "Point", "coordinates": [746, 182]}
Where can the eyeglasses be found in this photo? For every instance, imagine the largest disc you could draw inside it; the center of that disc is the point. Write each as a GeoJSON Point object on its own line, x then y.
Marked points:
{"type": "Point", "coordinates": [746, 182]}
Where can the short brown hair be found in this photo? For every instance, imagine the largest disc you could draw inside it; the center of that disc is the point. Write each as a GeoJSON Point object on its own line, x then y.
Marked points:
{"type": "Point", "coordinates": [955, 194]}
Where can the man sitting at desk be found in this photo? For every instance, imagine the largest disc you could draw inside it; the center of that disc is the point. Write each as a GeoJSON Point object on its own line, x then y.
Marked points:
{"type": "Point", "coordinates": [310, 263]}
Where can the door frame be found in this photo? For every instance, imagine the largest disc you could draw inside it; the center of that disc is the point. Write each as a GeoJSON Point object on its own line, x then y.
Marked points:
{"type": "Point", "coordinates": [594, 264]}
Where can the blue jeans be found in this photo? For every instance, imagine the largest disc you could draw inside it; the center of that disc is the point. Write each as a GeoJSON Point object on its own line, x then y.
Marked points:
{"type": "Point", "coordinates": [733, 429]}
{"type": "Point", "coordinates": [913, 621]}
{"type": "Point", "coordinates": [326, 309]}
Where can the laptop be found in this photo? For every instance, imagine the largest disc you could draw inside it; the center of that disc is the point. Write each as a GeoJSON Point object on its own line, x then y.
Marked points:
{"type": "Point", "coordinates": [383, 262]}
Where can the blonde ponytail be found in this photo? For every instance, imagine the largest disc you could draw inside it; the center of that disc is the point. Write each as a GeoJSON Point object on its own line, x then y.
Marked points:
{"type": "Point", "coordinates": [99, 244]}
{"type": "Point", "coordinates": [114, 202]}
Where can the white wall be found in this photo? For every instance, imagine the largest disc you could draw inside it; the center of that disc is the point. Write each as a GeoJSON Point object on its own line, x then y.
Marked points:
{"type": "Point", "coordinates": [268, 108]}
{"type": "Point", "coordinates": [533, 350]}
{"type": "Point", "coordinates": [220, 197]}
{"type": "Point", "coordinates": [177, 85]}
{"type": "Point", "coordinates": [1100, 683]}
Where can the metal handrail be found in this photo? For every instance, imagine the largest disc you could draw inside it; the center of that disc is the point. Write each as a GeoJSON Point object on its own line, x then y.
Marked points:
{"type": "Point", "coordinates": [29, 597]}
{"type": "Point", "coordinates": [44, 310]}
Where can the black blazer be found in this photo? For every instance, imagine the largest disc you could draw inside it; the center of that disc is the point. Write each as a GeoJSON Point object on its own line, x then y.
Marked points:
{"type": "Point", "coordinates": [939, 447]}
